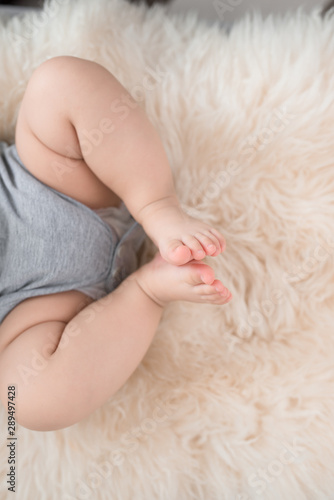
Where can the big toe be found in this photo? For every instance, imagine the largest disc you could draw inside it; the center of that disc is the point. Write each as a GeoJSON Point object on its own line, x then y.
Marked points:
{"type": "Point", "coordinates": [201, 273]}
{"type": "Point", "coordinates": [175, 252]}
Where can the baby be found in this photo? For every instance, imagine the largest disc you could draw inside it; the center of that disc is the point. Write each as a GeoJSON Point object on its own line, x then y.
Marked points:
{"type": "Point", "coordinates": [65, 352]}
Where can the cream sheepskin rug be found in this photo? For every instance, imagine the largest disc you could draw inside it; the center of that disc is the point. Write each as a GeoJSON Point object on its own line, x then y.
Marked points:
{"type": "Point", "coordinates": [232, 402]}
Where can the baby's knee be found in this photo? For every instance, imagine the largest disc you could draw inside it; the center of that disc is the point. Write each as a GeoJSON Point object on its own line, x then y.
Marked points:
{"type": "Point", "coordinates": [67, 69]}
{"type": "Point", "coordinates": [29, 387]}
{"type": "Point", "coordinates": [38, 409]}
{"type": "Point", "coordinates": [51, 75]}
{"type": "Point", "coordinates": [25, 404]}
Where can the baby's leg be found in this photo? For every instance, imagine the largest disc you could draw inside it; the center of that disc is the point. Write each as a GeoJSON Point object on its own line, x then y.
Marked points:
{"type": "Point", "coordinates": [71, 97]}
{"type": "Point", "coordinates": [92, 356]}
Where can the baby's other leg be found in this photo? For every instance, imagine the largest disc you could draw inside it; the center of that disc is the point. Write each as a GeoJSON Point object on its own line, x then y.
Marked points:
{"type": "Point", "coordinates": [63, 372]}
{"type": "Point", "coordinates": [94, 354]}
{"type": "Point", "coordinates": [71, 96]}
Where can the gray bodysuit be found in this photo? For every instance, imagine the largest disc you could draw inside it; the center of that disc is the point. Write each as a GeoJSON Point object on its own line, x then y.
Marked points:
{"type": "Point", "coordinates": [51, 243]}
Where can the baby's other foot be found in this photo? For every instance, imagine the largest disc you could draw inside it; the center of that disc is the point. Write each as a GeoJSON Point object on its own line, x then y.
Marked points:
{"type": "Point", "coordinates": [193, 282]}
{"type": "Point", "coordinates": [180, 237]}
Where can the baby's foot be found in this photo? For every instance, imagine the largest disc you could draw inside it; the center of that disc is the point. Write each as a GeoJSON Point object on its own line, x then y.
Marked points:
{"type": "Point", "coordinates": [179, 237]}
{"type": "Point", "coordinates": [193, 282]}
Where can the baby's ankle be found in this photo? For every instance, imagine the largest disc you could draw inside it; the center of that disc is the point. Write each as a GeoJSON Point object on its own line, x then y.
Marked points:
{"type": "Point", "coordinates": [156, 207]}
{"type": "Point", "coordinates": [142, 278]}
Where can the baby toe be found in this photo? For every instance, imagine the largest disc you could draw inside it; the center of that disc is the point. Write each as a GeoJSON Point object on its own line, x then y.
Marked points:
{"type": "Point", "coordinates": [211, 298]}
{"type": "Point", "coordinates": [219, 237]}
{"type": "Point", "coordinates": [205, 290]}
{"type": "Point", "coordinates": [209, 244]}
{"type": "Point", "coordinates": [194, 246]}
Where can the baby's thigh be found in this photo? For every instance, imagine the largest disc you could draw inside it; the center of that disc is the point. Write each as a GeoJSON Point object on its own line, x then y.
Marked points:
{"type": "Point", "coordinates": [47, 142]}
{"type": "Point", "coordinates": [61, 307]}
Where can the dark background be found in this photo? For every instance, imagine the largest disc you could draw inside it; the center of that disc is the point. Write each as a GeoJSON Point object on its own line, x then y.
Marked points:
{"type": "Point", "coordinates": [39, 3]}
{"type": "Point", "coordinates": [329, 5]}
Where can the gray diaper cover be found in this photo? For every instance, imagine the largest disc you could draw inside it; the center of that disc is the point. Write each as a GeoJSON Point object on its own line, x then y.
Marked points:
{"type": "Point", "coordinates": [50, 242]}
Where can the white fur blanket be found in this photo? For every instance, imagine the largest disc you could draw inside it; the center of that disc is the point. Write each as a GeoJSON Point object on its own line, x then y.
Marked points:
{"type": "Point", "coordinates": [232, 402]}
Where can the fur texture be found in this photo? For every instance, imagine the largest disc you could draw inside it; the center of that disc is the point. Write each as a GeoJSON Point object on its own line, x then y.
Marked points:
{"type": "Point", "coordinates": [232, 402]}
